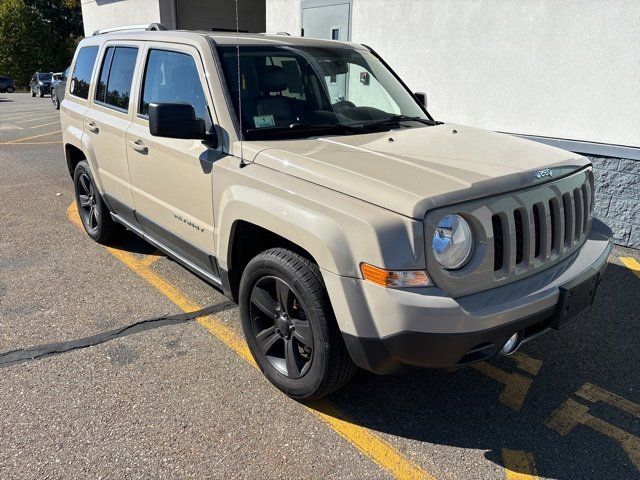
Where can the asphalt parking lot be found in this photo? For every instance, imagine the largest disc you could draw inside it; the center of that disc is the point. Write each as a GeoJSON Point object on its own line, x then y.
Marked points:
{"type": "Point", "coordinates": [103, 375]}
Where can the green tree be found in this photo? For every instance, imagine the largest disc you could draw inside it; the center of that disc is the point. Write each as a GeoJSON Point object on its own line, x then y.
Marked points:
{"type": "Point", "coordinates": [37, 35]}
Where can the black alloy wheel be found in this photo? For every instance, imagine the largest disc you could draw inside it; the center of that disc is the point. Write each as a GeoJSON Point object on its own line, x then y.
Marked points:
{"type": "Point", "coordinates": [290, 326]}
{"type": "Point", "coordinates": [87, 203]}
{"type": "Point", "coordinates": [281, 327]}
{"type": "Point", "coordinates": [93, 212]}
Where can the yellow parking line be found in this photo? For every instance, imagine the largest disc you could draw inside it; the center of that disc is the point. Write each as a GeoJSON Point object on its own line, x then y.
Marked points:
{"type": "Point", "coordinates": [632, 264]}
{"type": "Point", "coordinates": [29, 138]}
{"type": "Point", "coordinates": [516, 386]}
{"type": "Point", "coordinates": [24, 115]}
{"type": "Point", "coordinates": [36, 119]}
{"type": "Point", "coordinates": [367, 442]}
{"type": "Point", "coordinates": [45, 124]}
{"type": "Point", "coordinates": [32, 143]}
{"type": "Point", "coordinates": [151, 258]}
{"type": "Point", "coordinates": [518, 465]}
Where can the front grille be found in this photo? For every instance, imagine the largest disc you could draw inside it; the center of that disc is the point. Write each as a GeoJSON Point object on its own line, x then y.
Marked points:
{"type": "Point", "coordinates": [571, 227]}
{"type": "Point", "coordinates": [518, 233]}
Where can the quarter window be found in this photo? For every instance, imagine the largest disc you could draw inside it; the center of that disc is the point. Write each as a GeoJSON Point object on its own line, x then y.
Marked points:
{"type": "Point", "coordinates": [172, 77]}
{"type": "Point", "coordinates": [81, 77]}
{"type": "Point", "coordinates": [116, 75]}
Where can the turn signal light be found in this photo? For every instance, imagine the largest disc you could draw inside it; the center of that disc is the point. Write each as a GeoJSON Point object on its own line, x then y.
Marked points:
{"type": "Point", "coordinates": [395, 278]}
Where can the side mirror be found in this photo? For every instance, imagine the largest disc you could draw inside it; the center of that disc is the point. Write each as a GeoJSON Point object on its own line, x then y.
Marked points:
{"type": "Point", "coordinates": [178, 120]}
{"type": "Point", "coordinates": [422, 98]}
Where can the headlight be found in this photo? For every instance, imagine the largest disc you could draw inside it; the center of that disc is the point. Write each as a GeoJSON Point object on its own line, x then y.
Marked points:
{"type": "Point", "coordinates": [452, 242]}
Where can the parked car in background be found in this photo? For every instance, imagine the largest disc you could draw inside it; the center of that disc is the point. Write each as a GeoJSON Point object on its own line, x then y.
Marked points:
{"type": "Point", "coordinates": [40, 83]}
{"type": "Point", "coordinates": [58, 87]}
{"type": "Point", "coordinates": [6, 85]}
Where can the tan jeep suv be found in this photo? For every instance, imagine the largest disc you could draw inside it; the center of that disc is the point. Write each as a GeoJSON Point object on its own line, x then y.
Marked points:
{"type": "Point", "coordinates": [306, 181]}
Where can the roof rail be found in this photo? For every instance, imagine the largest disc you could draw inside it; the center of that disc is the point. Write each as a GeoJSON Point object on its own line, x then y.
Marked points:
{"type": "Point", "coordinates": [151, 26]}
{"type": "Point", "coordinates": [276, 33]}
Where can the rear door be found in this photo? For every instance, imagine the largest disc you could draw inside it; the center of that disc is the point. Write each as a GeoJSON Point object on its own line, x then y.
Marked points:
{"type": "Point", "coordinates": [172, 178]}
{"type": "Point", "coordinates": [78, 86]}
{"type": "Point", "coordinates": [107, 120]}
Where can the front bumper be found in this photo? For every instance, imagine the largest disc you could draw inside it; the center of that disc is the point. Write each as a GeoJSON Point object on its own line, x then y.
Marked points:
{"type": "Point", "coordinates": [388, 330]}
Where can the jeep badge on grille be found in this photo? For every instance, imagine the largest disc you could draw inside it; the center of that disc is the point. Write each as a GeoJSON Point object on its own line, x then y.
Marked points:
{"type": "Point", "coordinates": [543, 173]}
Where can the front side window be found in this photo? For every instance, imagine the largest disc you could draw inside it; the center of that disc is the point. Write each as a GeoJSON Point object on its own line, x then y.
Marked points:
{"type": "Point", "coordinates": [81, 77]}
{"type": "Point", "coordinates": [172, 77]}
{"type": "Point", "coordinates": [291, 91]}
{"type": "Point", "coordinates": [116, 75]}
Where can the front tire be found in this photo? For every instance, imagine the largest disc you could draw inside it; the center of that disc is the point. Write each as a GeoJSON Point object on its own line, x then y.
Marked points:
{"type": "Point", "coordinates": [93, 212]}
{"type": "Point", "coordinates": [290, 327]}
{"type": "Point", "coordinates": [10, 90]}
{"type": "Point", "coordinates": [54, 100]}
{"type": "Point", "coordinates": [41, 93]}
{"type": "Point", "coordinates": [33, 94]}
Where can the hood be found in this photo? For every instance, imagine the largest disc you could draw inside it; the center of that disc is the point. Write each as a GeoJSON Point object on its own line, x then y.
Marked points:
{"type": "Point", "coordinates": [413, 170]}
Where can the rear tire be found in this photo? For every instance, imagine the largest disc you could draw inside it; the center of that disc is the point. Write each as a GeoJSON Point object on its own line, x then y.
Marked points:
{"type": "Point", "coordinates": [290, 327]}
{"type": "Point", "coordinates": [54, 100]}
{"type": "Point", "coordinates": [93, 212]}
{"type": "Point", "coordinates": [10, 90]}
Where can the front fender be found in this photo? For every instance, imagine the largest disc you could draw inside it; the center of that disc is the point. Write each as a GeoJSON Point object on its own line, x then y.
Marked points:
{"type": "Point", "coordinates": [339, 231]}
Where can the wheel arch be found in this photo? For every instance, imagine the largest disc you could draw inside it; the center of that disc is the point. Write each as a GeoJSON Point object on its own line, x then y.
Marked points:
{"type": "Point", "coordinates": [73, 156]}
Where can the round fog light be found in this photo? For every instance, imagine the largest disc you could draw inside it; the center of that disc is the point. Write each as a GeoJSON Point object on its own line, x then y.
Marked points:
{"type": "Point", "coordinates": [510, 345]}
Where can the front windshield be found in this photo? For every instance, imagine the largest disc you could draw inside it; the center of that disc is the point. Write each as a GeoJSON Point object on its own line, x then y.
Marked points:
{"type": "Point", "coordinates": [45, 77]}
{"type": "Point", "coordinates": [288, 92]}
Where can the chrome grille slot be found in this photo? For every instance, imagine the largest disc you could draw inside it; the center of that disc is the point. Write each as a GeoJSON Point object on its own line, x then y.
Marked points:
{"type": "Point", "coordinates": [537, 228]}
{"type": "Point", "coordinates": [577, 202]}
{"type": "Point", "coordinates": [518, 233]}
{"type": "Point", "coordinates": [554, 223]}
{"type": "Point", "coordinates": [498, 243]}
{"type": "Point", "coordinates": [517, 217]}
{"type": "Point", "coordinates": [585, 206]}
{"type": "Point", "coordinates": [569, 224]}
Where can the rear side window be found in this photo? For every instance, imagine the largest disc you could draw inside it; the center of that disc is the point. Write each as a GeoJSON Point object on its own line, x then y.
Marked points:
{"type": "Point", "coordinates": [81, 77]}
{"type": "Point", "coordinates": [172, 77]}
{"type": "Point", "coordinates": [116, 75]}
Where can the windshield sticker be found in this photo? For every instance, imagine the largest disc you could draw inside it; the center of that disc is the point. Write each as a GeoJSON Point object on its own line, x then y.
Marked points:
{"type": "Point", "coordinates": [262, 121]}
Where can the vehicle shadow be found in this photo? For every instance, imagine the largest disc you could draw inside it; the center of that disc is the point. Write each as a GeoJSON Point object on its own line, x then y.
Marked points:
{"type": "Point", "coordinates": [462, 408]}
{"type": "Point", "coordinates": [132, 243]}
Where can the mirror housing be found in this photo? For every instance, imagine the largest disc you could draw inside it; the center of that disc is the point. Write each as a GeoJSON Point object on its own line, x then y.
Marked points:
{"type": "Point", "coordinates": [178, 120]}
{"type": "Point", "coordinates": [422, 98]}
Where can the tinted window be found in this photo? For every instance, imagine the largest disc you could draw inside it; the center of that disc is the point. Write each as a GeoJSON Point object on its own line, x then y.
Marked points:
{"type": "Point", "coordinates": [116, 74]}
{"type": "Point", "coordinates": [173, 77]}
{"type": "Point", "coordinates": [45, 77]}
{"type": "Point", "coordinates": [81, 78]}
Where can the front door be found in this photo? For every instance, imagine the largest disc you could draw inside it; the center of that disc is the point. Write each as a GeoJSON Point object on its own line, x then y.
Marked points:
{"type": "Point", "coordinates": [329, 20]}
{"type": "Point", "coordinates": [171, 178]}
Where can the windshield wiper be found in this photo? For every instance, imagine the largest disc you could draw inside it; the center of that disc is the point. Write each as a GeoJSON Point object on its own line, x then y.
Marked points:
{"type": "Point", "coordinates": [400, 118]}
{"type": "Point", "coordinates": [298, 128]}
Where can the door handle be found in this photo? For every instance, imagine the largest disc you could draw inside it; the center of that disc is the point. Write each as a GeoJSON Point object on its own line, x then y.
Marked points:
{"type": "Point", "coordinates": [92, 127]}
{"type": "Point", "coordinates": [138, 146]}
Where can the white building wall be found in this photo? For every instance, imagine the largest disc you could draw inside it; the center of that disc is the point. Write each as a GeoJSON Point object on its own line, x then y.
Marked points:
{"type": "Point", "coordinates": [565, 69]}
{"type": "Point", "coordinates": [99, 14]}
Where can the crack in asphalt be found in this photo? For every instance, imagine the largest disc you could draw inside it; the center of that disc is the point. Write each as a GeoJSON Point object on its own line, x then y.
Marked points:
{"type": "Point", "coordinates": [41, 351]}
